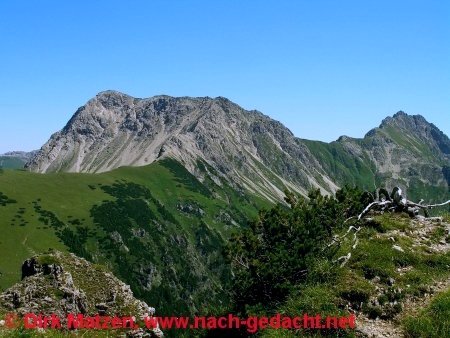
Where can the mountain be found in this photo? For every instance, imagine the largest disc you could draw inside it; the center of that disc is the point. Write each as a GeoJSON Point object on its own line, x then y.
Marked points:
{"type": "Point", "coordinates": [216, 139]}
{"type": "Point", "coordinates": [15, 159]}
{"type": "Point", "coordinates": [404, 150]}
{"type": "Point", "coordinates": [154, 188]}
{"type": "Point", "coordinates": [249, 150]}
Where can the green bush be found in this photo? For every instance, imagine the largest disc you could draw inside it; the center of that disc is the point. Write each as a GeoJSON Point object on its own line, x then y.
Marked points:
{"type": "Point", "coordinates": [4, 200]}
{"type": "Point", "coordinates": [284, 247]}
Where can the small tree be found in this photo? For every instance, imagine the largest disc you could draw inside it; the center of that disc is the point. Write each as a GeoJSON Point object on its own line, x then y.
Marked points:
{"type": "Point", "coordinates": [271, 256]}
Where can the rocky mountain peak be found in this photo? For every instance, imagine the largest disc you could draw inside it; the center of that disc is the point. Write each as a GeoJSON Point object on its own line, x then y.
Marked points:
{"type": "Point", "coordinates": [246, 148]}
{"type": "Point", "coordinates": [416, 126]}
{"type": "Point", "coordinates": [398, 118]}
{"type": "Point", "coordinates": [112, 98]}
{"type": "Point", "coordinates": [400, 113]}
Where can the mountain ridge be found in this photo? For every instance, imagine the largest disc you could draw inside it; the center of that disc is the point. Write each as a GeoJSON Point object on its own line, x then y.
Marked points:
{"type": "Point", "coordinates": [245, 147]}
{"type": "Point", "coordinates": [16, 159]}
{"type": "Point", "coordinates": [116, 130]}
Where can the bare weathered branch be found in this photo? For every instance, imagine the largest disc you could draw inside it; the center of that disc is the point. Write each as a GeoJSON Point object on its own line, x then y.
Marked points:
{"type": "Point", "coordinates": [382, 205]}
{"type": "Point", "coordinates": [429, 206]}
{"type": "Point", "coordinates": [394, 202]}
{"type": "Point", "coordinates": [344, 259]}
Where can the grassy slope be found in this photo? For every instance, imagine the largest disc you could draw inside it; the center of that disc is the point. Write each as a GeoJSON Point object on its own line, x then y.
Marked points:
{"type": "Point", "coordinates": [65, 194]}
{"type": "Point", "coordinates": [183, 248]}
{"type": "Point", "coordinates": [341, 165]}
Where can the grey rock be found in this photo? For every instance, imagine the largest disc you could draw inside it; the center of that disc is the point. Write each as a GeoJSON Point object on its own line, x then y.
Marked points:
{"type": "Point", "coordinates": [56, 288]}
{"type": "Point", "coordinates": [244, 148]}
{"type": "Point", "coordinates": [398, 248]}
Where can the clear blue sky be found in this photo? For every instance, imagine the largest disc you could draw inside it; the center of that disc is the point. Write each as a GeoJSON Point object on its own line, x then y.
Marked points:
{"type": "Point", "coordinates": [323, 68]}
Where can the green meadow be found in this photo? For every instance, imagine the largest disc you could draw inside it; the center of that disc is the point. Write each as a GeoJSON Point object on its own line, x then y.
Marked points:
{"type": "Point", "coordinates": [156, 227]}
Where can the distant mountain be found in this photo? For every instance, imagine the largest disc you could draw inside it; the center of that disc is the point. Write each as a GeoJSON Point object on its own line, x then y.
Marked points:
{"type": "Point", "coordinates": [15, 159]}
{"type": "Point", "coordinates": [404, 150]}
{"type": "Point", "coordinates": [218, 140]}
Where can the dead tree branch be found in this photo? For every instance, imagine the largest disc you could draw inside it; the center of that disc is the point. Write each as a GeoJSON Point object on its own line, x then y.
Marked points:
{"type": "Point", "coordinates": [394, 202]}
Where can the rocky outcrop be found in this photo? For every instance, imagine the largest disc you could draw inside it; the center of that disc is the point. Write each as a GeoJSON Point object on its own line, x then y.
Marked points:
{"type": "Point", "coordinates": [44, 288]}
{"type": "Point", "coordinates": [62, 284]}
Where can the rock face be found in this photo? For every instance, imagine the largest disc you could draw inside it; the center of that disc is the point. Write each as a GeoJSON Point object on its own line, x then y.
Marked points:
{"type": "Point", "coordinates": [63, 284]}
{"type": "Point", "coordinates": [246, 148]}
{"type": "Point", "coordinates": [403, 143]}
